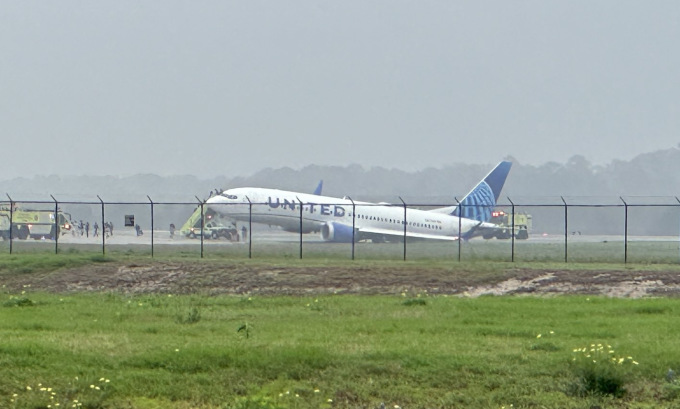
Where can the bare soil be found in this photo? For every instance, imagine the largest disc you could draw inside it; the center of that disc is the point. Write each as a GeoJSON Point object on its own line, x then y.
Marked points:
{"type": "Point", "coordinates": [212, 278]}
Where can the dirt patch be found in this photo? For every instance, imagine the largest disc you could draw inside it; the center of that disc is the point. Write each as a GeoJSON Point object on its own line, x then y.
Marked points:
{"type": "Point", "coordinates": [612, 284]}
{"type": "Point", "coordinates": [226, 278]}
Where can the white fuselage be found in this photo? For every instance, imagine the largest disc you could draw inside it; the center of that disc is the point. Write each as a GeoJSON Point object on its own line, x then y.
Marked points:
{"type": "Point", "coordinates": [295, 211]}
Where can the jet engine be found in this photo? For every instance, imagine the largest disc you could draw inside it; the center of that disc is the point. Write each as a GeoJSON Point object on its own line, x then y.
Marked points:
{"type": "Point", "coordinates": [337, 232]}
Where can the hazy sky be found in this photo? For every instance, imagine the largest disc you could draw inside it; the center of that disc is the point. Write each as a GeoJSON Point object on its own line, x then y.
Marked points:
{"type": "Point", "coordinates": [228, 88]}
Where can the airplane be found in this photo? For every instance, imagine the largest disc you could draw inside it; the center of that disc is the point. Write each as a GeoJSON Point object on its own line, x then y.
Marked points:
{"type": "Point", "coordinates": [344, 220]}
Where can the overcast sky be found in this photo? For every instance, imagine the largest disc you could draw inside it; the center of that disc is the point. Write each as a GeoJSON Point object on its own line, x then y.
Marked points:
{"type": "Point", "coordinates": [227, 88]}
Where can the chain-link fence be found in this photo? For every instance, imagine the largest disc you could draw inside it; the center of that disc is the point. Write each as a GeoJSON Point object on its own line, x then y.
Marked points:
{"type": "Point", "coordinates": [568, 229]}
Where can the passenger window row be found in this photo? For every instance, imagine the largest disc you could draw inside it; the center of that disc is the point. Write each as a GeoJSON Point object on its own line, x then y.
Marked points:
{"type": "Point", "coordinates": [395, 221]}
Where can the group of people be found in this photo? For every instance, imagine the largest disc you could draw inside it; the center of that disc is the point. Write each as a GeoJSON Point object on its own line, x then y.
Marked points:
{"type": "Point", "coordinates": [83, 229]}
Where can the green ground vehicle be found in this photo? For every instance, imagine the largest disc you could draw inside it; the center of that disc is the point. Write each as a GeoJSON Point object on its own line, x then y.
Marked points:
{"type": "Point", "coordinates": [214, 228]}
{"type": "Point", "coordinates": [504, 220]}
{"type": "Point", "coordinates": [34, 224]}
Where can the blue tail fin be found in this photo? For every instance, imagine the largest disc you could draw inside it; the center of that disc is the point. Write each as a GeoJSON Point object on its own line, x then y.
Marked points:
{"type": "Point", "coordinates": [479, 203]}
{"type": "Point", "coordinates": [319, 187]}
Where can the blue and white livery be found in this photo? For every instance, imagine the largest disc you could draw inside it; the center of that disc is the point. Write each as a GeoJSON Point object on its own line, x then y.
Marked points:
{"type": "Point", "coordinates": [344, 220]}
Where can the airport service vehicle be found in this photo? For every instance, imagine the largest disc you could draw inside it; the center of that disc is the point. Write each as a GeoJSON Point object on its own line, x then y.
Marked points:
{"type": "Point", "coordinates": [504, 221]}
{"type": "Point", "coordinates": [345, 220]}
{"type": "Point", "coordinates": [35, 224]}
{"type": "Point", "coordinates": [214, 228]}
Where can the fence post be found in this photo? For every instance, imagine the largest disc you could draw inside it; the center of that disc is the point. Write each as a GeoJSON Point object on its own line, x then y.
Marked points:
{"type": "Point", "coordinates": [354, 211]}
{"type": "Point", "coordinates": [298, 199]}
{"type": "Point", "coordinates": [460, 227]}
{"type": "Point", "coordinates": [56, 225]}
{"type": "Point", "coordinates": [565, 228]}
{"type": "Point", "coordinates": [625, 231]}
{"type": "Point", "coordinates": [103, 228]}
{"type": "Point", "coordinates": [512, 245]}
{"type": "Point", "coordinates": [405, 224]}
{"type": "Point", "coordinates": [676, 199]}
{"type": "Point", "coordinates": [151, 205]}
{"type": "Point", "coordinates": [11, 221]}
{"type": "Point", "coordinates": [250, 228]}
{"type": "Point", "coordinates": [200, 203]}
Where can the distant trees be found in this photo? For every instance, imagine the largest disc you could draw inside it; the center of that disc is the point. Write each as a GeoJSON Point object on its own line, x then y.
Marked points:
{"type": "Point", "coordinates": [650, 174]}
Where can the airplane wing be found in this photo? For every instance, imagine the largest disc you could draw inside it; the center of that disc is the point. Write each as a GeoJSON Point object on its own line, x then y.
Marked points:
{"type": "Point", "coordinates": [368, 231]}
{"type": "Point", "coordinates": [479, 230]}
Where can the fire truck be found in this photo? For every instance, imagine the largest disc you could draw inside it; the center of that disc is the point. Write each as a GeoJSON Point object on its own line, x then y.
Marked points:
{"type": "Point", "coordinates": [35, 224]}
{"type": "Point", "coordinates": [504, 220]}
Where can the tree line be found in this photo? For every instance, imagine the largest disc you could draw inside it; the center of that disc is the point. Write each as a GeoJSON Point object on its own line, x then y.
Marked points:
{"type": "Point", "coordinates": [650, 178]}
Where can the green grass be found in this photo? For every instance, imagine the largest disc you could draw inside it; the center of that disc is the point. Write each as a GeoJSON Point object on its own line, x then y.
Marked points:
{"type": "Point", "coordinates": [643, 252]}
{"type": "Point", "coordinates": [36, 256]}
{"type": "Point", "coordinates": [45, 262]}
{"type": "Point", "coordinates": [202, 352]}
{"type": "Point", "coordinates": [159, 351]}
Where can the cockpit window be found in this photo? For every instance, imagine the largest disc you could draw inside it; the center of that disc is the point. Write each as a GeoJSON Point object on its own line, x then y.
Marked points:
{"type": "Point", "coordinates": [228, 196]}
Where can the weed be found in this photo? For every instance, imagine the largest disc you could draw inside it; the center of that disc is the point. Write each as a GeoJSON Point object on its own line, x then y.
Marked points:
{"type": "Point", "coordinates": [651, 310]}
{"type": "Point", "coordinates": [78, 394]}
{"type": "Point", "coordinates": [545, 346]}
{"type": "Point", "coordinates": [25, 270]}
{"type": "Point", "coordinates": [414, 302]}
{"type": "Point", "coordinates": [244, 329]}
{"type": "Point", "coordinates": [191, 317]}
{"type": "Point", "coordinates": [255, 403]}
{"type": "Point", "coordinates": [100, 258]}
{"type": "Point", "coordinates": [599, 371]}
{"type": "Point", "coordinates": [18, 302]}
{"type": "Point", "coordinates": [315, 306]}
{"type": "Point", "coordinates": [671, 388]}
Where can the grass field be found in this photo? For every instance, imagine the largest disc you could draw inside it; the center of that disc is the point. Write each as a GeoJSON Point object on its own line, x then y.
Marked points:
{"type": "Point", "coordinates": [663, 250]}
{"type": "Point", "coordinates": [110, 350]}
